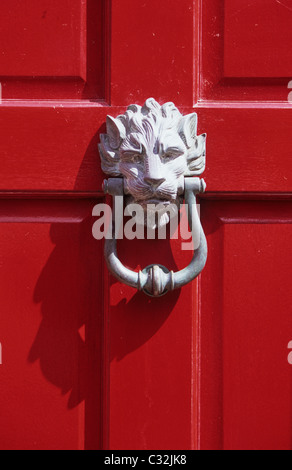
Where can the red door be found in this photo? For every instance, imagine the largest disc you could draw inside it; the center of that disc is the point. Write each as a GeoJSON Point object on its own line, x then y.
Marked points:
{"type": "Point", "coordinates": [88, 362]}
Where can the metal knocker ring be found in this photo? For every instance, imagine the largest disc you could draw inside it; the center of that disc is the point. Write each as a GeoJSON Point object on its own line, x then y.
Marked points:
{"type": "Point", "coordinates": [154, 152]}
{"type": "Point", "coordinates": [156, 280]}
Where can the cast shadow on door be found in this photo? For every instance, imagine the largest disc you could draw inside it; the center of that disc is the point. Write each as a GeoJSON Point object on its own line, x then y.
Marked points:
{"type": "Point", "coordinates": [68, 344]}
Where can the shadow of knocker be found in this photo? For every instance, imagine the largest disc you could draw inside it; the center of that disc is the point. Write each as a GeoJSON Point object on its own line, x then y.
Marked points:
{"type": "Point", "coordinates": [69, 291]}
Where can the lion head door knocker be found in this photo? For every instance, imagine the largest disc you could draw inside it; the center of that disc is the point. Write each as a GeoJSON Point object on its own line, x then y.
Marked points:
{"type": "Point", "coordinates": [153, 153]}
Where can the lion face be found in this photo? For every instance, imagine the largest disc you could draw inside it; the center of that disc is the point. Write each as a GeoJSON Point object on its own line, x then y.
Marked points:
{"type": "Point", "coordinates": [153, 147]}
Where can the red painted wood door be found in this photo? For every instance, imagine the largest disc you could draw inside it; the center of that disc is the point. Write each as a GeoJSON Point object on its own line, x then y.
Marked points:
{"type": "Point", "coordinates": [90, 363]}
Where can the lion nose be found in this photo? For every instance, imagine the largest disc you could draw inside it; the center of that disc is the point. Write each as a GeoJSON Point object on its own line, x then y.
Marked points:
{"type": "Point", "coordinates": [154, 181]}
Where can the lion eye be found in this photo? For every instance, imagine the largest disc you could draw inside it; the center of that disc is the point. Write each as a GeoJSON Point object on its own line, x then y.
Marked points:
{"type": "Point", "coordinates": [132, 157]}
{"type": "Point", "coordinates": [137, 158]}
{"type": "Point", "coordinates": [168, 157]}
{"type": "Point", "coordinates": [172, 153]}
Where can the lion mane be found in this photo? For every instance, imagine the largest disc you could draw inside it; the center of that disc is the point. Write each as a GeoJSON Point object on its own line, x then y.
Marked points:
{"type": "Point", "coordinates": [142, 128]}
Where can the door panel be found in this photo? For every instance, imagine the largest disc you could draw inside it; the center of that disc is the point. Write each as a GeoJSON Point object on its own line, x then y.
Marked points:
{"type": "Point", "coordinates": [246, 326]}
{"type": "Point", "coordinates": [52, 49]}
{"type": "Point", "coordinates": [256, 37]}
{"type": "Point", "coordinates": [51, 326]}
{"type": "Point", "coordinates": [153, 355]}
{"type": "Point", "coordinates": [244, 51]}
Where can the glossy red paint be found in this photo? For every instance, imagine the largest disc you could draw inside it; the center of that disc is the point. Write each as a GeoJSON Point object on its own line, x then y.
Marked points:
{"type": "Point", "coordinates": [244, 50]}
{"type": "Point", "coordinates": [252, 34]}
{"type": "Point", "coordinates": [50, 394]}
{"type": "Point", "coordinates": [88, 362]}
{"type": "Point", "coordinates": [52, 50]}
{"type": "Point", "coordinates": [245, 391]}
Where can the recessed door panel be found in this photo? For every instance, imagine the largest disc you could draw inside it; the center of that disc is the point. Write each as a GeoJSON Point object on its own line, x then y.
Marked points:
{"type": "Point", "coordinates": [50, 326]}
{"type": "Point", "coordinates": [244, 51]}
{"type": "Point", "coordinates": [246, 327]}
{"type": "Point", "coordinates": [52, 49]}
